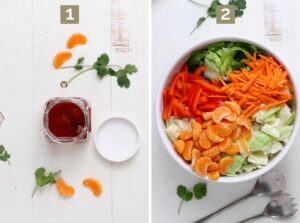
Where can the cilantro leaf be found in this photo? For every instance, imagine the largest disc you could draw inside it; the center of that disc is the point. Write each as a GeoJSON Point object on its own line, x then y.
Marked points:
{"type": "Point", "coordinates": [211, 11]}
{"type": "Point", "coordinates": [102, 71]}
{"type": "Point", "coordinates": [199, 23]}
{"type": "Point", "coordinates": [240, 6]}
{"type": "Point", "coordinates": [80, 60]}
{"type": "Point", "coordinates": [103, 59]}
{"type": "Point", "coordinates": [42, 178]}
{"type": "Point", "coordinates": [130, 69]}
{"type": "Point", "coordinates": [200, 190]}
{"type": "Point", "coordinates": [181, 191]}
{"type": "Point", "coordinates": [122, 79]}
{"type": "Point", "coordinates": [4, 155]}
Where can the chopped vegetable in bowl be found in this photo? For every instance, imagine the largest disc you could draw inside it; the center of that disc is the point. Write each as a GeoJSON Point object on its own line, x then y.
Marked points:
{"type": "Point", "coordinates": [229, 109]}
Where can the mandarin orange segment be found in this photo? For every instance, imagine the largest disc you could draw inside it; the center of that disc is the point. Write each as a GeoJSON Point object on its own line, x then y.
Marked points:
{"type": "Point", "coordinates": [94, 185]}
{"type": "Point", "coordinates": [244, 121]}
{"type": "Point", "coordinates": [216, 158]}
{"type": "Point", "coordinates": [75, 40]}
{"type": "Point", "coordinates": [224, 164]}
{"type": "Point", "coordinates": [60, 58]}
{"type": "Point", "coordinates": [207, 123]}
{"type": "Point", "coordinates": [229, 124]}
{"type": "Point", "coordinates": [233, 149]}
{"type": "Point", "coordinates": [204, 140]}
{"type": "Point", "coordinates": [206, 115]}
{"type": "Point", "coordinates": [247, 134]}
{"type": "Point", "coordinates": [223, 129]}
{"type": "Point", "coordinates": [202, 165]}
{"type": "Point", "coordinates": [213, 175]}
{"type": "Point", "coordinates": [214, 151]}
{"type": "Point", "coordinates": [234, 107]}
{"type": "Point", "coordinates": [231, 118]}
{"type": "Point", "coordinates": [236, 133]}
{"type": "Point", "coordinates": [187, 152]}
{"type": "Point", "coordinates": [245, 145]}
{"type": "Point", "coordinates": [212, 135]}
{"type": "Point", "coordinates": [213, 166]}
{"type": "Point", "coordinates": [63, 188]}
{"type": "Point", "coordinates": [225, 144]}
{"type": "Point", "coordinates": [186, 135]}
{"type": "Point", "coordinates": [220, 112]}
{"type": "Point", "coordinates": [179, 146]}
{"type": "Point", "coordinates": [197, 129]}
{"type": "Point", "coordinates": [196, 154]}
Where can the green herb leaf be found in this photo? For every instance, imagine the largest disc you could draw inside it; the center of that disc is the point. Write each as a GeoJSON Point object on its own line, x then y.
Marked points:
{"type": "Point", "coordinates": [199, 23]}
{"type": "Point", "coordinates": [103, 59]}
{"type": "Point", "coordinates": [122, 79]}
{"type": "Point", "coordinates": [200, 190]}
{"type": "Point", "coordinates": [181, 191]}
{"type": "Point", "coordinates": [211, 11]}
{"type": "Point", "coordinates": [4, 155]}
{"type": "Point", "coordinates": [102, 71]}
{"type": "Point", "coordinates": [42, 178]}
{"type": "Point", "coordinates": [111, 72]}
{"type": "Point", "coordinates": [80, 60]}
{"type": "Point", "coordinates": [240, 6]}
{"type": "Point", "coordinates": [78, 67]}
{"type": "Point", "coordinates": [130, 69]}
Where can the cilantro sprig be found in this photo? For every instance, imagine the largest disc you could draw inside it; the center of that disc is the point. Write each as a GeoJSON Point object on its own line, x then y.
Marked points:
{"type": "Point", "coordinates": [240, 6]}
{"type": "Point", "coordinates": [4, 155]}
{"type": "Point", "coordinates": [198, 191]}
{"type": "Point", "coordinates": [103, 68]}
{"type": "Point", "coordinates": [42, 178]}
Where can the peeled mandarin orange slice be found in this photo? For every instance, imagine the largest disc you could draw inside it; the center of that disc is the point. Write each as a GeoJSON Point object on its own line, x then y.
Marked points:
{"type": "Point", "coordinates": [60, 58]}
{"type": "Point", "coordinates": [233, 149]}
{"type": "Point", "coordinates": [244, 145]}
{"type": "Point", "coordinates": [231, 125]}
{"type": "Point", "coordinates": [204, 140]}
{"type": "Point", "coordinates": [207, 123]}
{"type": "Point", "coordinates": [225, 144]}
{"type": "Point", "coordinates": [196, 154]}
{"type": "Point", "coordinates": [236, 133]}
{"type": "Point", "coordinates": [75, 40]}
{"type": "Point", "coordinates": [63, 188]}
{"type": "Point", "coordinates": [206, 115]}
{"type": "Point", "coordinates": [202, 165]}
{"type": "Point", "coordinates": [94, 185]}
{"type": "Point", "coordinates": [186, 135]}
{"type": "Point", "coordinates": [247, 134]}
{"type": "Point", "coordinates": [212, 135]}
{"type": "Point", "coordinates": [231, 118]}
{"type": "Point", "coordinates": [220, 112]}
{"type": "Point", "coordinates": [213, 166]}
{"type": "Point", "coordinates": [216, 158]}
{"type": "Point", "coordinates": [213, 175]}
{"type": "Point", "coordinates": [223, 129]}
{"type": "Point", "coordinates": [234, 107]}
{"type": "Point", "coordinates": [214, 151]}
{"type": "Point", "coordinates": [179, 146]}
{"type": "Point", "coordinates": [187, 152]}
{"type": "Point", "coordinates": [224, 164]}
{"type": "Point", "coordinates": [244, 121]}
{"type": "Point", "coordinates": [197, 129]}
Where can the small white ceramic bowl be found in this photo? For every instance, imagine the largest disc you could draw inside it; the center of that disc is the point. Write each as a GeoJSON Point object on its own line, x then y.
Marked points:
{"type": "Point", "coordinates": [161, 125]}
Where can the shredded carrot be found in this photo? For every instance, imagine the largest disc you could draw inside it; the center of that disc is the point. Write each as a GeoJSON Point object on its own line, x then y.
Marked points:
{"type": "Point", "coordinates": [266, 85]}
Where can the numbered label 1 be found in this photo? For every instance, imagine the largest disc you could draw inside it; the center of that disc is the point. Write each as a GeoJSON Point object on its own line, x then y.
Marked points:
{"type": "Point", "coordinates": [225, 14]}
{"type": "Point", "coordinates": [69, 14]}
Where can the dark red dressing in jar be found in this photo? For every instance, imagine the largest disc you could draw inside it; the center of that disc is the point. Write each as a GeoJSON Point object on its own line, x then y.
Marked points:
{"type": "Point", "coordinates": [66, 119]}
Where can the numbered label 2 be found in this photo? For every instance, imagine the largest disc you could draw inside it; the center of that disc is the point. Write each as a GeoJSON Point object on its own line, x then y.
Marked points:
{"type": "Point", "coordinates": [69, 14]}
{"type": "Point", "coordinates": [225, 14]}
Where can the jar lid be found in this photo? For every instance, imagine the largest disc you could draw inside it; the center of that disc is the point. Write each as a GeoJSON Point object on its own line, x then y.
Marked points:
{"type": "Point", "coordinates": [117, 139]}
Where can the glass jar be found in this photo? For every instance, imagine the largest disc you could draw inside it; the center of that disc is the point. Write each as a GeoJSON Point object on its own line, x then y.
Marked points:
{"type": "Point", "coordinates": [67, 120]}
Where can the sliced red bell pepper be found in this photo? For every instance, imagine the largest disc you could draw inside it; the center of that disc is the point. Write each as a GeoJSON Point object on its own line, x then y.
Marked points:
{"type": "Point", "coordinates": [167, 111]}
{"type": "Point", "coordinates": [184, 68]}
{"type": "Point", "coordinates": [174, 83]}
{"type": "Point", "coordinates": [209, 87]}
{"type": "Point", "coordinates": [202, 99]}
{"type": "Point", "coordinates": [216, 83]}
{"type": "Point", "coordinates": [199, 71]}
{"type": "Point", "coordinates": [181, 108]}
{"type": "Point", "coordinates": [196, 98]}
{"type": "Point", "coordinates": [165, 98]}
{"type": "Point", "coordinates": [208, 106]}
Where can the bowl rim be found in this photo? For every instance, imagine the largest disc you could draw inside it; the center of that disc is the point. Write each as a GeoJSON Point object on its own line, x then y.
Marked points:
{"type": "Point", "coordinates": [161, 126]}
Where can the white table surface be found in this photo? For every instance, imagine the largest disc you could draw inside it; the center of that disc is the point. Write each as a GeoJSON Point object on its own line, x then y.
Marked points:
{"type": "Point", "coordinates": [172, 22]}
{"type": "Point", "coordinates": [30, 35]}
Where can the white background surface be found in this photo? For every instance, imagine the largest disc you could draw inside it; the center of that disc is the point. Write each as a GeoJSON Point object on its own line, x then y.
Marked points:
{"type": "Point", "coordinates": [172, 21]}
{"type": "Point", "coordinates": [30, 35]}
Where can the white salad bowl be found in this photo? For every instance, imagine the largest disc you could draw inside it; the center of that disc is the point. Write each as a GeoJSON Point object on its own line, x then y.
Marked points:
{"type": "Point", "coordinates": [167, 142]}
